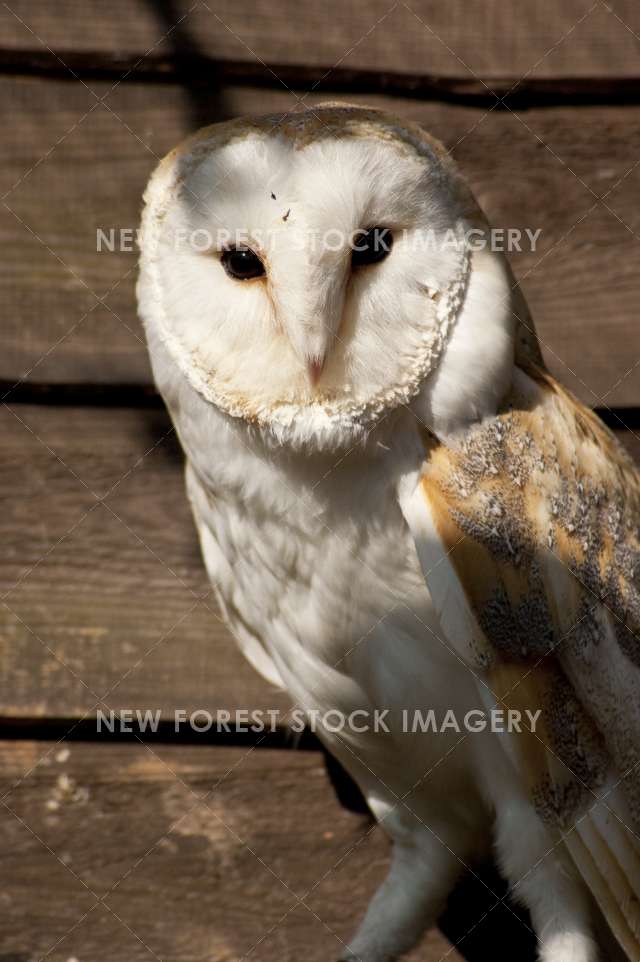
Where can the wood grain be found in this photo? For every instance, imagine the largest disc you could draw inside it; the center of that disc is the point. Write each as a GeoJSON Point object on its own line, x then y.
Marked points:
{"type": "Point", "coordinates": [69, 310]}
{"type": "Point", "coordinates": [496, 38]}
{"type": "Point", "coordinates": [105, 600]}
{"type": "Point", "coordinates": [116, 853]}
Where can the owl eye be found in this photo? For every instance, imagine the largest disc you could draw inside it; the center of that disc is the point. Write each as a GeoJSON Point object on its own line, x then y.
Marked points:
{"type": "Point", "coordinates": [242, 263]}
{"type": "Point", "coordinates": [371, 245]}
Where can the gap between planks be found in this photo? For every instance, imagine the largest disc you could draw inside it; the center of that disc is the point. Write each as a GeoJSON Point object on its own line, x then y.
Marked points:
{"type": "Point", "coordinates": [502, 93]}
{"type": "Point", "coordinates": [145, 396]}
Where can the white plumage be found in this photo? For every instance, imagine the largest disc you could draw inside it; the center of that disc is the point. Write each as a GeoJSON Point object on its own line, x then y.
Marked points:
{"type": "Point", "coordinates": [388, 494]}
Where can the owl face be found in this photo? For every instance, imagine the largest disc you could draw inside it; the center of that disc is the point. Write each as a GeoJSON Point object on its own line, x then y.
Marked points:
{"type": "Point", "coordinates": [304, 273]}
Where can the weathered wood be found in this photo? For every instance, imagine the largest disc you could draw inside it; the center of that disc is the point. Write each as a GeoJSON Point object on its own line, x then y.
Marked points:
{"type": "Point", "coordinates": [569, 172]}
{"type": "Point", "coordinates": [497, 38]}
{"type": "Point", "coordinates": [105, 597]}
{"type": "Point", "coordinates": [104, 594]}
{"type": "Point", "coordinates": [113, 853]}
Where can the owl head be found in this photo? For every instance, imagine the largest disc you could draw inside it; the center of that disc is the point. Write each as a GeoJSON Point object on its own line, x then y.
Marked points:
{"type": "Point", "coordinates": [312, 273]}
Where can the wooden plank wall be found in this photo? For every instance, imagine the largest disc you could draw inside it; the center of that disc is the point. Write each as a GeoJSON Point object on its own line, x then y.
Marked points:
{"type": "Point", "coordinates": [105, 602]}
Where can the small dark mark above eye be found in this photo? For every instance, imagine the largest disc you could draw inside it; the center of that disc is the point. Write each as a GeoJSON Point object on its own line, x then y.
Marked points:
{"type": "Point", "coordinates": [286, 216]}
{"type": "Point", "coordinates": [273, 196]}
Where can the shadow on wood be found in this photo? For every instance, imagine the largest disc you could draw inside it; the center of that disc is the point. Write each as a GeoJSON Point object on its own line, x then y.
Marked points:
{"type": "Point", "coordinates": [206, 103]}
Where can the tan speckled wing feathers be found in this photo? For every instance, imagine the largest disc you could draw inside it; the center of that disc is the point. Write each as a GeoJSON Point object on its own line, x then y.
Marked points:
{"type": "Point", "coordinates": [529, 534]}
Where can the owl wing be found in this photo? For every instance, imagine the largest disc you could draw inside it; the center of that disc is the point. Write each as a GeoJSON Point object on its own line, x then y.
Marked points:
{"type": "Point", "coordinates": [528, 534]}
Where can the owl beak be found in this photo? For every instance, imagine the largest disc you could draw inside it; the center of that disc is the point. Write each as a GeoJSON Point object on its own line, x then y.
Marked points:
{"type": "Point", "coordinates": [311, 317]}
{"type": "Point", "coordinates": [314, 370]}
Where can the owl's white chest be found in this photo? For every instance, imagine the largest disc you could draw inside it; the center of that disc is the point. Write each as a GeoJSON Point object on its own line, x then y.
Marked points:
{"type": "Point", "coordinates": [319, 580]}
{"type": "Point", "coordinates": [309, 573]}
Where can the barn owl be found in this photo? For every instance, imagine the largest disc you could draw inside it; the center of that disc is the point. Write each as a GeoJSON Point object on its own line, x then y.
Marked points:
{"type": "Point", "coordinates": [401, 510]}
